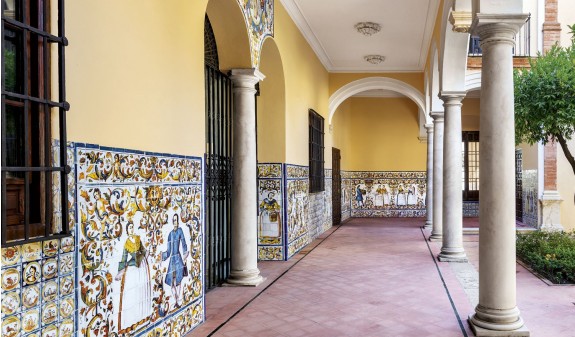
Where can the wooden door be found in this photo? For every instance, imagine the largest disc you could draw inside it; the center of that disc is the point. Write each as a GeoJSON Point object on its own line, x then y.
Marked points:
{"type": "Point", "coordinates": [336, 186]}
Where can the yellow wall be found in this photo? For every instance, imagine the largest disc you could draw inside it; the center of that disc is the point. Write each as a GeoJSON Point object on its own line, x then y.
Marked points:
{"type": "Point", "coordinates": [379, 134]}
{"type": "Point", "coordinates": [340, 132]}
{"type": "Point", "coordinates": [136, 84]}
{"type": "Point", "coordinates": [231, 35]}
{"type": "Point", "coordinates": [566, 187]}
{"type": "Point", "coordinates": [271, 107]}
{"type": "Point", "coordinates": [470, 114]}
{"type": "Point", "coordinates": [530, 155]}
{"type": "Point", "coordinates": [306, 87]}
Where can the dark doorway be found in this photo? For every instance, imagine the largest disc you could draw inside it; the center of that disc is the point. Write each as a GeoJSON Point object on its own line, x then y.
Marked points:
{"type": "Point", "coordinates": [336, 186]}
{"type": "Point", "coordinates": [218, 161]}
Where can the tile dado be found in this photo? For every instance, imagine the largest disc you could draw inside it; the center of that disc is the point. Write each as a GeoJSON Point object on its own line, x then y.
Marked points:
{"type": "Point", "coordinates": [140, 249]}
{"type": "Point", "coordinates": [288, 217]}
{"type": "Point", "coordinates": [384, 194]}
{"type": "Point", "coordinates": [102, 165]}
{"type": "Point", "coordinates": [271, 223]}
{"type": "Point", "coordinates": [38, 289]}
{"type": "Point", "coordinates": [530, 198]}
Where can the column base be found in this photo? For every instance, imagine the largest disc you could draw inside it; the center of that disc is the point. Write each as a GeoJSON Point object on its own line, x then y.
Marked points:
{"type": "Point", "coordinates": [452, 256]}
{"type": "Point", "coordinates": [551, 211]}
{"type": "Point", "coordinates": [244, 278]}
{"type": "Point", "coordinates": [428, 224]}
{"type": "Point", "coordinates": [435, 237]}
{"type": "Point", "coordinates": [479, 329]}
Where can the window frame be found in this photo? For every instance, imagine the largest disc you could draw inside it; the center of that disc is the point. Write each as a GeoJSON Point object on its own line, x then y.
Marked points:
{"type": "Point", "coordinates": [31, 21]}
{"type": "Point", "coordinates": [467, 193]}
{"type": "Point", "coordinates": [316, 152]}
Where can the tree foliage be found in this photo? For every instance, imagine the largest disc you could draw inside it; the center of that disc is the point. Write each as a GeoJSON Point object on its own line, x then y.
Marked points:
{"type": "Point", "coordinates": [545, 98]}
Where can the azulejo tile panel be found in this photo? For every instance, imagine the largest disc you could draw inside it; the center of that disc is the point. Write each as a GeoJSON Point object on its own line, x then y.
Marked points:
{"type": "Point", "coordinates": [289, 218]}
{"type": "Point", "coordinates": [386, 194]}
{"type": "Point", "coordinates": [97, 165]}
{"type": "Point", "coordinates": [271, 223]}
{"type": "Point", "coordinates": [140, 243]}
{"type": "Point", "coordinates": [33, 276]}
{"type": "Point", "coordinates": [530, 198]}
{"type": "Point", "coordinates": [298, 205]}
{"type": "Point", "coordinates": [470, 209]}
{"type": "Point", "coordinates": [259, 18]}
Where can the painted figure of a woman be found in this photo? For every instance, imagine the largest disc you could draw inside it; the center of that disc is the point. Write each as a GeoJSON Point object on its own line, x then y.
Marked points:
{"type": "Point", "coordinates": [134, 276]}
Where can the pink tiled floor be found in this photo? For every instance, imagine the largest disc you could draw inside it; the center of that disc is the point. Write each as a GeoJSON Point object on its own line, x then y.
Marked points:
{"type": "Point", "coordinates": [371, 277]}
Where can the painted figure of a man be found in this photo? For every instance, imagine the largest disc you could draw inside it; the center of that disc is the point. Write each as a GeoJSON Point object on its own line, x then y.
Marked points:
{"type": "Point", "coordinates": [177, 269]}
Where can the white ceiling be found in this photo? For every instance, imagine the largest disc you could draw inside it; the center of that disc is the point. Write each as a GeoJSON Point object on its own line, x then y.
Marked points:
{"type": "Point", "coordinates": [328, 26]}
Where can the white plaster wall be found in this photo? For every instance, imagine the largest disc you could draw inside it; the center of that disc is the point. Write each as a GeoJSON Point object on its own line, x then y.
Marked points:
{"type": "Point", "coordinates": [566, 17]}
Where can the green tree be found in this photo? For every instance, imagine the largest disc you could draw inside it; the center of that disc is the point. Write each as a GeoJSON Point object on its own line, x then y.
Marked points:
{"type": "Point", "coordinates": [545, 99]}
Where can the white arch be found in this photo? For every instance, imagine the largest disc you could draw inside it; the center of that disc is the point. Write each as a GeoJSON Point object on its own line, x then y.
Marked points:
{"type": "Point", "coordinates": [473, 81]}
{"type": "Point", "coordinates": [373, 83]}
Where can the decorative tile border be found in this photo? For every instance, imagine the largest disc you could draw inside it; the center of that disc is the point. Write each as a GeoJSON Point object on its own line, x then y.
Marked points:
{"type": "Point", "coordinates": [270, 170]}
{"type": "Point", "coordinates": [101, 165]}
{"type": "Point", "coordinates": [297, 172]}
{"type": "Point", "coordinates": [385, 194]}
{"type": "Point", "coordinates": [140, 232]}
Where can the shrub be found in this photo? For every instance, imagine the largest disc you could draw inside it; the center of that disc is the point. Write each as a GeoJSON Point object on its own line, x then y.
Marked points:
{"type": "Point", "coordinates": [551, 254]}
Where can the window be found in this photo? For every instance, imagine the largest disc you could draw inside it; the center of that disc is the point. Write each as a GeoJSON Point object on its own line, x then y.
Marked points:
{"type": "Point", "coordinates": [470, 151]}
{"type": "Point", "coordinates": [316, 175]}
{"type": "Point", "coordinates": [27, 121]}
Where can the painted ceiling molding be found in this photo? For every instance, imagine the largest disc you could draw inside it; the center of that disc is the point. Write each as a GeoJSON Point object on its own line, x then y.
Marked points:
{"type": "Point", "coordinates": [374, 83]}
{"type": "Point", "coordinates": [259, 18]}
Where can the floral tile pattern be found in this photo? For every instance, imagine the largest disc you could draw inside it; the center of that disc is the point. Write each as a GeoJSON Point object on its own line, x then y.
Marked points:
{"type": "Point", "coordinates": [298, 204]}
{"type": "Point", "coordinates": [386, 194]}
{"type": "Point", "coordinates": [259, 18]}
{"type": "Point", "coordinates": [285, 223]}
{"type": "Point", "coordinates": [140, 249]}
{"type": "Point", "coordinates": [271, 223]}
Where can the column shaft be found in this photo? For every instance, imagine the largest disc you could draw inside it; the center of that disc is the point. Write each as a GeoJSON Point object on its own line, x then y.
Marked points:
{"type": "Point", "coordinates": [497, 310]}
{"type": "Point", "coordinates": [436, 231]}
{"type": "Point", "coordinates": [452, 248]}
{"type": "Point", "coordinates": [244, 255]}
{"type": "Point", "coordinates": [429, 190]}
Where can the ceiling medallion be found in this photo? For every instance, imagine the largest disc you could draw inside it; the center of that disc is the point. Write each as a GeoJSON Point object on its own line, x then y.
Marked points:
{"type": "Point", "coordinates": [374, 59]}
{"type": "Point", "coordinates": [368, 28]}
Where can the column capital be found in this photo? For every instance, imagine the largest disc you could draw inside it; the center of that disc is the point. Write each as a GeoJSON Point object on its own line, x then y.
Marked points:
{"type": "Point", "coordinates": [429, 128]}
{"type": "Point", "coordinates": [246, 78]}
{"type": "Point", "coordinates": [437, 116]}
{"type": "Point", "coordinates": [452, 97]}
{"type": "Point", "coordinates": [497, 27]}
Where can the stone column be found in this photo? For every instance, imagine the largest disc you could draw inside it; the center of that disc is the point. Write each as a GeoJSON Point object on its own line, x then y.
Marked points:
{"type": "Point", "coordinates": [244, 255]}
{"type": "Point", "coordinates": [497, 313]}
{"type": "Point", "coordinates": [436, 230]}
{"type": "Point", "coordinates": [452, 248]}
{"type": "Point", "coordinates": [429, 190]}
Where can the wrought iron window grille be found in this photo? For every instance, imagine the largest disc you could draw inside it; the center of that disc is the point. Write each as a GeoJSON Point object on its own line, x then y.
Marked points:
{"type": "Point", "coordinates": [26, 102]}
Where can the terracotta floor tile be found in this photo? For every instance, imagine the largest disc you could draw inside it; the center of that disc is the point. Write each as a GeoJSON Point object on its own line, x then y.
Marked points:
{"type": "Point", "coordinates": [373, 277]}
